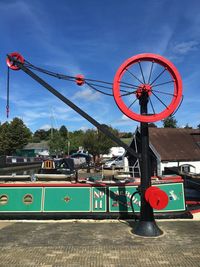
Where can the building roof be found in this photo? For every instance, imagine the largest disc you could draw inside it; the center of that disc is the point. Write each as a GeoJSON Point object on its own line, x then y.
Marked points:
{"type": "Point", "coordinates": [176, 144]}
{"type": "Point", "coordinates": [42, 145]}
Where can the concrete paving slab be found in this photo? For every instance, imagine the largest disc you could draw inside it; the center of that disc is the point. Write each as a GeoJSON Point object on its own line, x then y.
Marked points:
{"type": "Point", "coordinates": [98, 243]}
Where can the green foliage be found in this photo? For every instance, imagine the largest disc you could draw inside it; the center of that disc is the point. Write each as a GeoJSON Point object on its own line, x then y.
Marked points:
{"type": "Point", "coordinates": [90, 141]}
{"type": "Point", "coordinates": [170, 122]}
{"type": "Point", "coordinates": [76, 140]}
{"type": "Point", "coordinates": [14, 135]}
{"type": "Point", "coordinates": [57, 145]}
{"type": "Point", "coordinates": [59, 141]}
{"type": "Point", "coordinates": [4, 139]}
{"type": "Point", "coordinates": [63, 132]}
{"type": "Point", "coordinates": [126, 135]}
{"type": "Point", "coordinates": [97, 143]}
{"type": "Point", "coordinates": [40, 135]}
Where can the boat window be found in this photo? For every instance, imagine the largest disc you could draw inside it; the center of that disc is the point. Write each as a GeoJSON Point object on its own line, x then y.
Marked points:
{"type": "Point", "coordinates": [3, 199]}
{"type": "Point", "coordinates": [28, 199]}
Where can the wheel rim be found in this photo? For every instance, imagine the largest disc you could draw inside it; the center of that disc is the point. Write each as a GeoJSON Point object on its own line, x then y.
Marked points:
{"type": "Point", "coordinates": [154, 75]}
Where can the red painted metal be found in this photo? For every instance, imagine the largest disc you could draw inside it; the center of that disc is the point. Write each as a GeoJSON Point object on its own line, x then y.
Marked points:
{"type": "Point", "coordinates": [16, 56]}
{"type": "Point", "coordinates": [144, 87]}
{"type": "Point", "coordinates": [192, 202]}
{"type": "Point", "coordinates": [172, 71]}
{"type": "Point", "coordinates": [149, 191]}
{"type": "Point", "coordinates": [79, 184]}
{"type": "Point", "coordinates": [156, 197]}
{"type": "Point", "coordinates": [195, 211]}
{"type": "Point", "coordinates": [80, 80]}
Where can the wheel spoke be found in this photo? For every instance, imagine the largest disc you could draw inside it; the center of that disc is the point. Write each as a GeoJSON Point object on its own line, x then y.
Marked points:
{"type": "Point", "coordinates": [125, 91]}
{"type": "Point", "coordinates": [128, 85]}
{"type": "Point", "coordinates": [172, 81]}
{"type": "Point", "coordinates": [150, 72]}
{"type": "Point", "coordinates": [158, 76]}
{"type": "Point", "coordinates": [152, 105]}
{"type": "Point", "coordinates": [164, 93]}
{"type": "Point", "coordinates": [160, 100]}
{"type": "Point", "coordinates": [133, 75]}
{"type": "Point", "coordinates": [132, 103]}
{"type": "Point", "coordinates": [128, 93]}
{"type": "Point", "coordinates": [141, 72]}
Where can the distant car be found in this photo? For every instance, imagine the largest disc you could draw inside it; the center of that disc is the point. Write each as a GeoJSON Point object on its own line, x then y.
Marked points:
{"type": "Point", "coordinates": [116, 162]}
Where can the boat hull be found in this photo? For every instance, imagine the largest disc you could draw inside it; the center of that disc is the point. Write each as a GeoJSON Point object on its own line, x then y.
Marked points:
{"type": "Point", "coordinates": [83, 200]}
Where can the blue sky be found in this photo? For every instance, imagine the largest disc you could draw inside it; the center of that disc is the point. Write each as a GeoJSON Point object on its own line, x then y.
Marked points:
{"type": "Point", "coordinates": [94, 38]}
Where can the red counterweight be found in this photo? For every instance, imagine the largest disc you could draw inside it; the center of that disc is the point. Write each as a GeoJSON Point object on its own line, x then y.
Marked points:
{"type": "Point", "coordinates": [156, 197]}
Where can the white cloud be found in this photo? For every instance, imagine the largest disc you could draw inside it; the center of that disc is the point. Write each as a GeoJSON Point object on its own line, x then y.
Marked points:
{"type": "Point", "coordinates": [32, 117]}
{"type": "Point", "coordinates": [45, 127]}
{"type": "Point", "coordinates": [84, 128]}
{"type": "Point", "coordinates": [123, 121]}
{"type": "Point", "coordinates": [87, 94]}
{"type": "Point", "coordinates": [185, 47]}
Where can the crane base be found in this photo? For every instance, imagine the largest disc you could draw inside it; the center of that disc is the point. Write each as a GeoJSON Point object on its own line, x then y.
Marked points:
{"type": "Point", "coordinates": [148, 229]}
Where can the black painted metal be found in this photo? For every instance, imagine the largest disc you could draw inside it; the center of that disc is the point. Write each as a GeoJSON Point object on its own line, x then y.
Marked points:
{"type": "Point", "coordinates": [74, 107]}
{"type": "Point", "coordinates": [146, 225]}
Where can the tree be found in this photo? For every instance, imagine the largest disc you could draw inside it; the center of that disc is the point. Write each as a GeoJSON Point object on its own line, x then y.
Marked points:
{"type": "Point", "coordinates": [152, 125]}
{"type": "Point", "coordinates": [76, 140]}
{"type": "Point", "coordinates": [13, 135]}
{"type": "Point", "coordinates": [198, 126]}
{"type": "Point", "coordinates": [126, 135]}
{"type": "Point", "coordinates": [63, 132]}
{"type": "Point", "coordinates": [4, 139]}
{"type": "Point", "coordinates": [57, 145]}
{"type": "Point", "coordinates": [40, 135]}
{"type": "Point", "coordinates": [104, 142]}
{"type": "Point", "coordinates": [19, 134]}
{"type": "Point", "coordinates": [90, 140]}
{"type": "Point", "coordinates": [59, 141]}
{"type": "Point", "coordinates": [170, 122]}
{"type": "Point", "coordinates": [98, 143]}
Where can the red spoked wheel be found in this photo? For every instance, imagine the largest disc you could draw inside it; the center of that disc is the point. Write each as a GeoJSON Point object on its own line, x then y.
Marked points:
{"type": "Point", "coordinates": [16, 56]}
{"type": "Point", "coordinates": [153, 75]}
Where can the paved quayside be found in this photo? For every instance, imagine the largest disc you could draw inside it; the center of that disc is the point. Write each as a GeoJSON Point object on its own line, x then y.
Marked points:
{"type": "Point", "coordinates": [97, 243]}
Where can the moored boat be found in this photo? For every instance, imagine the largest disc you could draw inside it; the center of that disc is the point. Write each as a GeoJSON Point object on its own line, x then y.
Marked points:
{"type": "Point", "coordinates": [91, 197]}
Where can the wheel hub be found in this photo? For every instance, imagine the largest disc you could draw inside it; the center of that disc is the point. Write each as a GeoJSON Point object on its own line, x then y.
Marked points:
{"type": "Point", "coordinates": [143, 88]}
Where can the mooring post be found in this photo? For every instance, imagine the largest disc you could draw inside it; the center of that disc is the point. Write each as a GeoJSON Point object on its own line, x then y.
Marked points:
{"type": "Point", "coordinates": [146, 225]}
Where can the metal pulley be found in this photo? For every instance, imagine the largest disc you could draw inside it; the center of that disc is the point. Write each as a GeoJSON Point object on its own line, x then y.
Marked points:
{"type": "Point", "coordinates": [80, 80]}
{"type": "Point", "coordinates": [16, 56]}
{"type": "Point", "coordinates": [156, 197]}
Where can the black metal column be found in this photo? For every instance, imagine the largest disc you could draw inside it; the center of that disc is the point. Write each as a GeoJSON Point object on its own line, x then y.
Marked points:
{"type": "Point", "coordinates": [146, 225]}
